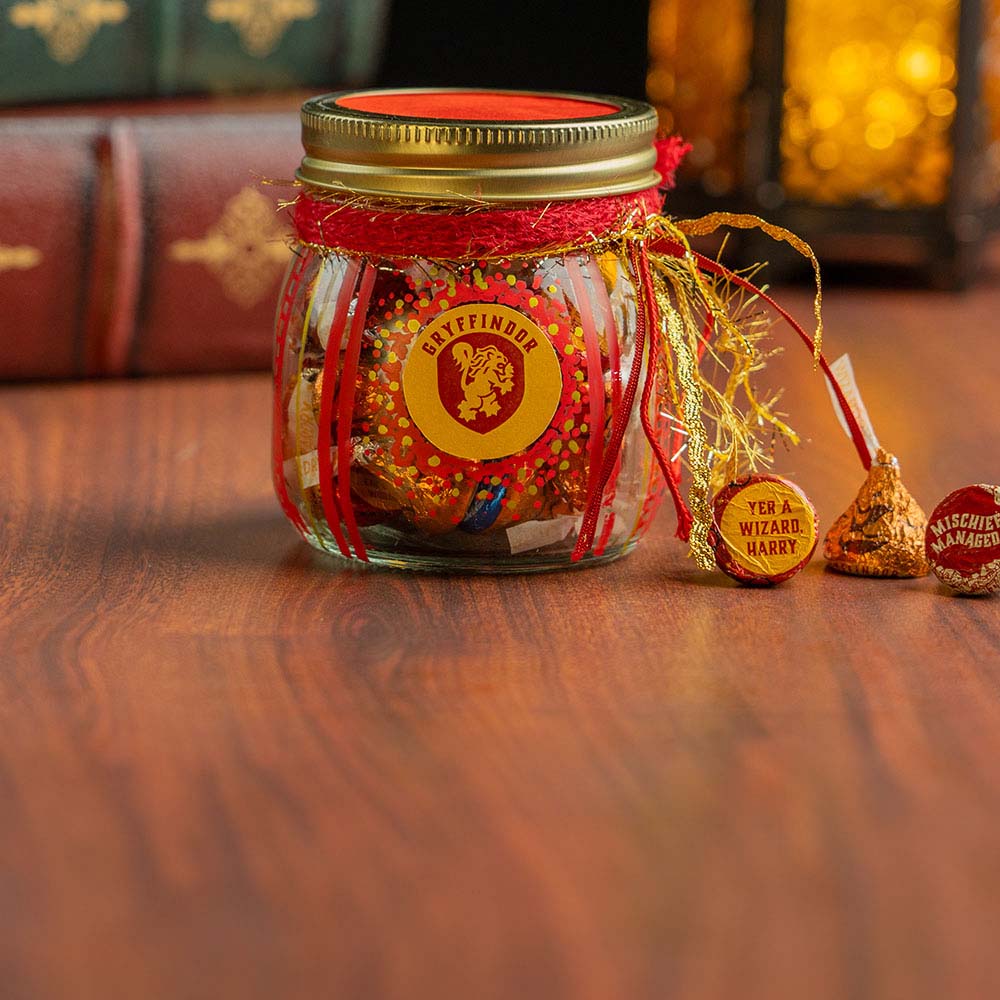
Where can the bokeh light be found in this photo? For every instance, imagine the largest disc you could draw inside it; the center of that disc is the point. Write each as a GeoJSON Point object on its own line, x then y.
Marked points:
{"type": "Point", "coordinates": [869, 101]}
{"type": "Point", "coordinates": [867, 110]}
{"type": "Point", "coordinates": [699, 69]}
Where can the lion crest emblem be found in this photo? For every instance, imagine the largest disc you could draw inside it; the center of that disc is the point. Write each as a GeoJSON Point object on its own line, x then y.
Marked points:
{"type": "Point", "coordinates": [486, 374]}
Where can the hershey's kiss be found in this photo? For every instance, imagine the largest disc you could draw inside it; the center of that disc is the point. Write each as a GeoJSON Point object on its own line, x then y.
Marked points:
{"type": "Point", "coordinates": [882, 532]}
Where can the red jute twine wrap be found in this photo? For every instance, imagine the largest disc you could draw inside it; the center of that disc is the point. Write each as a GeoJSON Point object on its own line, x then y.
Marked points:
{"type": "Point", "coordinates": [471, 233]}
{"type": "Point", "coordinates": [372, 229]}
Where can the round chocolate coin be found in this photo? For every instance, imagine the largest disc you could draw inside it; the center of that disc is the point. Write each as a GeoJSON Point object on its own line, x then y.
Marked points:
{"type": "Point", "coordinates": [963, 539]}
{"type": "Point", "coordinates": [765, 529]}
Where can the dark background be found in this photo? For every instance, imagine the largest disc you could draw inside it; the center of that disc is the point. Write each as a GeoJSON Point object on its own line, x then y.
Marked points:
{"type": "Point", "coordinates": [591, 47]}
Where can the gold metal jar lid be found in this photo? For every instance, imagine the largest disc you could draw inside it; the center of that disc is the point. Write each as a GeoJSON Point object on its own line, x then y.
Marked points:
{"type": "Point", "coordinates": [478, 145]}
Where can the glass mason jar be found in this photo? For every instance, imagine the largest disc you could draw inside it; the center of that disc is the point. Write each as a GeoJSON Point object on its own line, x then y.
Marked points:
{"type": "Point", "coordinates": [441, 409]}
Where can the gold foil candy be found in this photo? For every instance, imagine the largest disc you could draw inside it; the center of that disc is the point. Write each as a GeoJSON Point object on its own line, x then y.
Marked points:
{"type": "Point", "coordinates": [369, 403]}
{"type": "Point", "coordinates": [376, 492]}
{"type": "Point", "coordinates": [530, 503]}
{"type": "Point", "coordinates": [568, 488]}
{"type": "Point", "coordinates": [435, 502]}
{"type": "Point", "coordinates": [882, 532]}
{"type": "Point", "coordinates": [428, 502]}
{"type": "Point", "coordinates": [303, 411]}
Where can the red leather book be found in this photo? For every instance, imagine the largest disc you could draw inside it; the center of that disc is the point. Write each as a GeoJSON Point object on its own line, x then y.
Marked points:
{"type": "Point", "coordinates": [48, 200]}
{"type": "Point", "coordinates": [141, 244]}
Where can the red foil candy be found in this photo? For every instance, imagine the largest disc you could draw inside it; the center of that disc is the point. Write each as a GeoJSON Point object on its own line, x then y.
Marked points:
{"type": "Point", "coordinates": [963, 539]}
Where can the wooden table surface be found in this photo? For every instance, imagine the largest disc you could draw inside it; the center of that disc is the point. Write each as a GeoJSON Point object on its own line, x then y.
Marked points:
{"type": "Point", "coordinates": [231, 769]}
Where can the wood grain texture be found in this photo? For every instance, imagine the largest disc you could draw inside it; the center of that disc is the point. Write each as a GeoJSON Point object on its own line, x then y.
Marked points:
{"type": "Point", "coordinates": [232, 769]}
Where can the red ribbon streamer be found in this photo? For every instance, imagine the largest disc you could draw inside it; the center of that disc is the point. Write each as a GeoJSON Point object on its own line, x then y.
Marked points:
{"type": "Point", "coordinates": [595, 376]}
{"type": "Point", "coordinates": [647, 328]}
{"type": "Point", "coordinates": [614, 362]}
{"type": "Point", "coordinates": [292, 285]}
{"type": "Point", "coordinates": [345, 409]}
{"type": "Point", "coordinates": [714, 267]}
{"type": "Point", "coordinates": [334, 344]}
{"type": "Point", "coordinates": [648, 316]}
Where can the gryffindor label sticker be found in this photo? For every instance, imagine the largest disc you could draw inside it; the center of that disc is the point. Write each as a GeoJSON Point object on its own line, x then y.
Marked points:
{"type": "Point", "coordinates": [482, 381]}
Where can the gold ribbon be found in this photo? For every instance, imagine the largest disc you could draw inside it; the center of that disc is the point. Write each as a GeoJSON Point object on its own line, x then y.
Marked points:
{"type": "Point", "coordinates": [725, 426]}
{"type": "Point", "coordinates": [708, 224]}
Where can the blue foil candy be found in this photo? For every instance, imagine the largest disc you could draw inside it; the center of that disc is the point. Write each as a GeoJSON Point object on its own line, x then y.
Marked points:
{"type": "Point", "coordinates": [483, 513]}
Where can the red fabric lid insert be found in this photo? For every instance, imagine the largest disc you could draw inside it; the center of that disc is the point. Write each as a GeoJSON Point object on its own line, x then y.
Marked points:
{"type": "Point", "coordinates": [477, 105]}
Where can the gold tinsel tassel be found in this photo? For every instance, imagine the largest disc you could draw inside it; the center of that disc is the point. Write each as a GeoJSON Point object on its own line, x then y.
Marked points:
{"type": "Point", "coordinates": [707, 322]}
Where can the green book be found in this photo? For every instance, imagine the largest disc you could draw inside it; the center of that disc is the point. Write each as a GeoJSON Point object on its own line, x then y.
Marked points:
{"type": "Point", "coordinates": [68, 50]}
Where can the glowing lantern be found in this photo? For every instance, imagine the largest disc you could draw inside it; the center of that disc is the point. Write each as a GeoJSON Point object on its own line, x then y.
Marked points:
{"type": "Point", "coordinates": [873, 128]}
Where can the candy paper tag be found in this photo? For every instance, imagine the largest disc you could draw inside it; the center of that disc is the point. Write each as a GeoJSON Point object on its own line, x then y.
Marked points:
{"type": "Point", "coordinates": [535, 534]}
{"type": "Point", "coordinates": [843, 372]}
{"type": "Point", "coordinates": [307, 471]}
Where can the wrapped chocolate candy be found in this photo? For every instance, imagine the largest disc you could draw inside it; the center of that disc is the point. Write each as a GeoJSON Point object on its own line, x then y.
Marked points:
{"type": "Point", "coordinates": [568, 486]}
{"type": "Point", "coordinates": [429, 503]}
{"type": "Point", "coordinates": [301, 437]}
{"type": "Point", "coordinates": [882, 532]}
{"type": "Point", "coordinates": [500, 503]}
{"type": "Point", "coordinates": [963, 539]}
{"type": "Point", "coordinates": [765, 529]}
{"type": "Point", "coordinates": [487, 505]}
{"type": "Point", "coordinates": [302, 412]}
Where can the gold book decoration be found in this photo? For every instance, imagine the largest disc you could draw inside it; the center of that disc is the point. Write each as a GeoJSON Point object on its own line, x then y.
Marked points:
{"type": "Point", "coordinates": [67, 25]}
{"type": "Point", "coordinates": [260, 23]}
{"type": "Point", "coordinates": [20, 258]}
{"type": "Point", "coordinates": [245, 249]}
